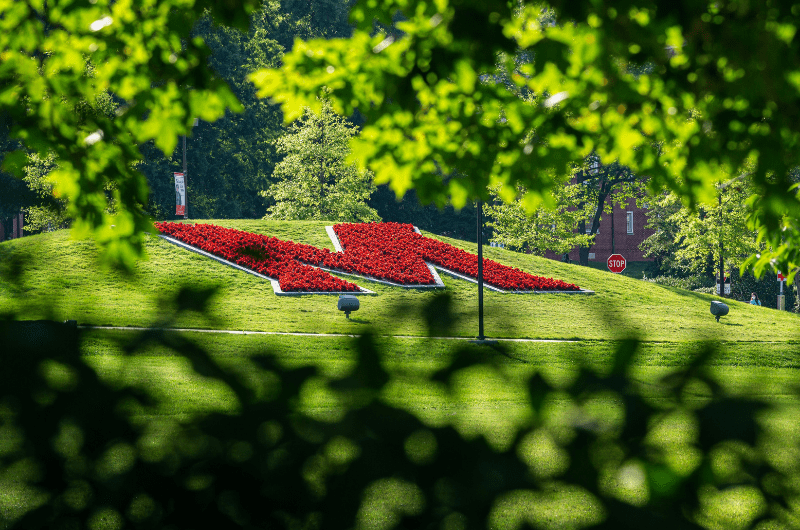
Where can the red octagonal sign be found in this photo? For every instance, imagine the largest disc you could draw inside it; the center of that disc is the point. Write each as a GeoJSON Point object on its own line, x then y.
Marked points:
{"type": "Point", "coordinates": [616, 263]}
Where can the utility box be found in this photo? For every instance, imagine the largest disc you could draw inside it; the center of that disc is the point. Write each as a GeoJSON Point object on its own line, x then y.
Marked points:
{"type": "Point", "coordinates": [347, 303]}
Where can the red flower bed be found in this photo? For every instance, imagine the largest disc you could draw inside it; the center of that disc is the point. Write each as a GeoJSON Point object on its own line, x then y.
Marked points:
{"type": "Point", "coordinates": [383, 250]}
{"type": "Point", "coordinates": [283, 260]}
{"type": "Point", "coordinates": [386, 251]}
{"type": "Point", "coordinates": [397, 250]}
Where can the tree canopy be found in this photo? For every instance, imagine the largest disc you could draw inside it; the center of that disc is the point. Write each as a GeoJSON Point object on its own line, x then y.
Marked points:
{"type": "Point", "coordinates": [57, 55]}
{"type": "Point", "coordinates": [552, 229]}
{"type": "Point", "coordinates": [692, 240]}
{"type": "Point", "coordinates": [230, 160]}
{"type": "Point", "coordinates": [687, 93]}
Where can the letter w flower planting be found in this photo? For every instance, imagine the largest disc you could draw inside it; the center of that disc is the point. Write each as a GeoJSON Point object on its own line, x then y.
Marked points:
{"type": "Point", "coordinates": [388, 252]}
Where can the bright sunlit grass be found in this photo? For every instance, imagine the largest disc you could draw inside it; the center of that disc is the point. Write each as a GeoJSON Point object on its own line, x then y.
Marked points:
{"type": "Point", "coordinates": [60, 279]}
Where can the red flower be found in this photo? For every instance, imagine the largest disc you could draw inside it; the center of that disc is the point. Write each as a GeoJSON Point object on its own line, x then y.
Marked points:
{"type": "Point", "coordinates": [390, 251]}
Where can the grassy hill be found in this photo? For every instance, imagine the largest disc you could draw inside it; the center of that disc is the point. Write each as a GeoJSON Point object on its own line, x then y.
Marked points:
{"type": "Point", "coordinates": [486, 398]}
{"type": "Point", "coordinates": [60, 278]}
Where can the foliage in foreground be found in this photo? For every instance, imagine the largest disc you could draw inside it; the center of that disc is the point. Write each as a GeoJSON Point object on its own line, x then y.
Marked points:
{"type": "Point", "coordinates": [58, 55]}
{"type": "Point", "coordinates": [310, 450]}
{"type": "Point", "coordinates": [689, 94]}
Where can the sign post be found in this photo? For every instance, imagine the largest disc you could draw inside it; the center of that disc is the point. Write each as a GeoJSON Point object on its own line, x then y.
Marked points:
{"type": "Point", "coordinates": [781, 297]}
{"type": "Point", "coordinates": [616, 263]}
{"type": "Point", "coordinates": [726, 282]}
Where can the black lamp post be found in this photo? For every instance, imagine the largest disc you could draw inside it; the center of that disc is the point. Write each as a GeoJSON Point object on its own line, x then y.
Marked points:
{"type": "Point", "coordinates": [721, 251]}
{"type": "Point", "coordinates": [480, 270]}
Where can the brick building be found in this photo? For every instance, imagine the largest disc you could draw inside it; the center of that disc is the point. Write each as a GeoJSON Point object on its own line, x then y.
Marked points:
{"type": "Point", "coordinates": [628, 234]}
{"type": "Point", "coordinates": [11, 228]}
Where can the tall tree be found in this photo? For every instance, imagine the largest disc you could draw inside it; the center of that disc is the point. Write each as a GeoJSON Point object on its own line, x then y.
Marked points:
{"type": "Point", "coordinates": [602, 186]}
{"type": "Point", "coordinates": [14, 193]}
{"type": "Point", "coordinates": [662, 244]}
{"type": "Point", "coordinates": [315, 180]}
{"type": "Point", "coordinates": [715, 231]}
{"type": "Point", "coordinates": [33, 192]}
{"type": "Point", "coordinates": [43, 215]}
{"type": "Point", "coordinates": [540, 228]}
{"type": "Point", "coordinates": [231, 159]}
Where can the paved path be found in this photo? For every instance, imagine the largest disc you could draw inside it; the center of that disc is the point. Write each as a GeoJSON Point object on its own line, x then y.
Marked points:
{"type": "Point", "coordinates": [418, 337]}
{"type": "Point", "coordinates": [298, 334]}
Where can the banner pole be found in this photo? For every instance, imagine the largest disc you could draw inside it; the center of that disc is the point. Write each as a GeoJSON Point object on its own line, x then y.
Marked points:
{"type": "Point", "coordinates": [185, 182]}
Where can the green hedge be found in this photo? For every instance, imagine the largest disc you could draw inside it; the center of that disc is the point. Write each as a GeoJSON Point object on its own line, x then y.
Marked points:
{"type": "Point", "coordinates": [690, 283]}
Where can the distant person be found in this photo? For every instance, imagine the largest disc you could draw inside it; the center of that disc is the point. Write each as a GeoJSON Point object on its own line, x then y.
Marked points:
{"type": "Point", "coordinates": [754, 299]}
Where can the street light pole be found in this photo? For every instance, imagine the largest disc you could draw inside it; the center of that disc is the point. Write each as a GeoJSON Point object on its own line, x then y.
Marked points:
{"type": "Point", "coordinates": [480, 270]}
{"type": "Point", "coordinates": [721, 249]}
{"type": "Point", "coordinates": [185, 182]}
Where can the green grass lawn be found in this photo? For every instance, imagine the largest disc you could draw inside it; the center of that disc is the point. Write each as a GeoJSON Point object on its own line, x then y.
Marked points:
{"type": "Point", "coordinates": [59, 278]}
{"type": "Point", "coordinates": [488, 400]}
{"type": "Point", "coordinates": [746, 368]}
{"type": "Point", "coordinates": [52, 276]}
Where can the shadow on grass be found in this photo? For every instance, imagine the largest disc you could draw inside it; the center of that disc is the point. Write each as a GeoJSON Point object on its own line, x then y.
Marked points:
{"type": "Point", "coordinates": [359, 320]}
{"type": "Point", "coordinates": [468, 446]}
{"type": "Point", "coordinates": [704, 297]}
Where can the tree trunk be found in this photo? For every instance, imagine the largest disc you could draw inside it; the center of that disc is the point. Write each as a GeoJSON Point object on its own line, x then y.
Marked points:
{"type": "Point", "coordinates": [583, 252]}
{"type": "Point", "coordinates": [613, 246]}
{"type": "Point", "coordinates": [583, 255]}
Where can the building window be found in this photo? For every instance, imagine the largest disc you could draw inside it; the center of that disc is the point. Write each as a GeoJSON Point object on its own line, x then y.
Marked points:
{"type": "Point", "coordinates": [630, 222]}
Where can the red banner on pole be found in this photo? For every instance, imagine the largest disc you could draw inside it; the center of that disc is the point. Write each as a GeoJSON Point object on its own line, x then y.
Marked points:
{"type": "Point", "coordinates": [180, 194]}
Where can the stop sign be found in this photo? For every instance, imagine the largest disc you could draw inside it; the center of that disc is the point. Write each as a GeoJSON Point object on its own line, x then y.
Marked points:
{"type": "Point", "coordinates": [616, 263]}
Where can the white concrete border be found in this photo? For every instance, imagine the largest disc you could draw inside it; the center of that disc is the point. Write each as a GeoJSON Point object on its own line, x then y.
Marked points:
{"type": "Point", "coordinates": [321, 335]}
{"type": "Point", "coordinates": [505, 291]}
{"type": "Point", "coordinates": [331, 234]}
{"type": "Point", "coordinates": [275, 285]}
{"type": "Point", "coordinates": [438, 283]}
